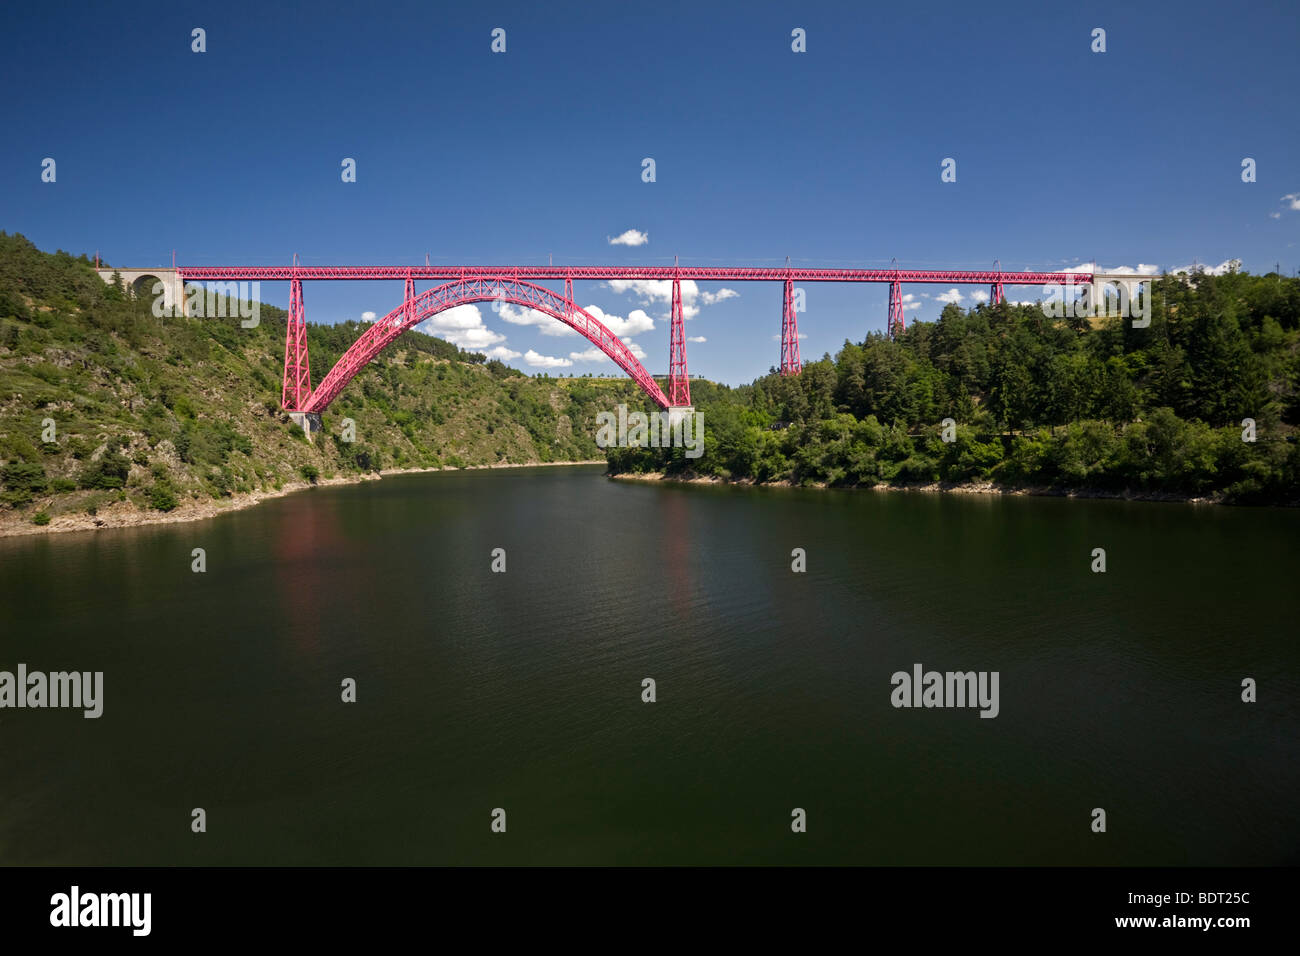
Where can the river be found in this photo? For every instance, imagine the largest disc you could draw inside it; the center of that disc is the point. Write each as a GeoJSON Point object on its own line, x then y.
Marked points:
{"type": "Point", "coordinates": [523, 690]}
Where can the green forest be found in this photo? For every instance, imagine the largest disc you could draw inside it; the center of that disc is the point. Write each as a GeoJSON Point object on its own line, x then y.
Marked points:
{"type": "Point", "coordinates": [155, 411]}
{"type": "Point", "coordinates": [1065, 404]}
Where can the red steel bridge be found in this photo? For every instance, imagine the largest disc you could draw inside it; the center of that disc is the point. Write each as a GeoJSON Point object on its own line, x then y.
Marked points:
{"type": "Point", "coordinates": [518, 286]}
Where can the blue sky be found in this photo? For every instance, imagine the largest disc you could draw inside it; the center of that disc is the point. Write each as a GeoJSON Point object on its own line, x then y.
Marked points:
{"type": "Point", "coordinates": [831, 157]}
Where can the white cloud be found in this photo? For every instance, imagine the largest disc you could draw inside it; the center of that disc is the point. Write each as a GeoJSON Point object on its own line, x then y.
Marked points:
{"type": "Point", "coordinates": [475, 339]}
{"type": "Point", "coordinates": [367, 316]}
{"type": "Point", "coordinates": [697, 338]}
{"type": "Point", "coordinates": [546, 324]}
{"type": "Point", "coordinates": [909, 300]}
{"type": "Point", "coordinates": [1275, 215]}
{"type": "Point", "coordinates": [651, 291]}
{"type": "Point", "coordinates": [1223, 268]}
{"type": "Point", "coordinates": [462, 326]}
{"type": "Point", "coordinates": [538, 360]}
{"type": "Point", "coordinates": [501, 353]}
{"type": "Point", "coordinates": [1293, 199]}
{"type": "Point", "coordinates": [635, 323]}
{"type": "Point", "coordinates": [1142, 269]}
{"type": "Point", "coordinates": [979, 295]}
{"type": "Point", "coordinates": [952, 295]}
{"type": "Point", "coordinates": [594, 354]}
{"type": "Point", "coordinates": [630, 238]}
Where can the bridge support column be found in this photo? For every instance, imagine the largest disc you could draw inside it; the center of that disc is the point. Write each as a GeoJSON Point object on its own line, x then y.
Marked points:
{"type": "Point", "coordinates": [678, 414]}
{"type": "Point", "coordinates": [409, 299]}
{"type": "Point", "coordinates": [679, 383]}
{"type": "Point", "coordinates": [895, 309]}
{"type": "Point", "coordinates": [790, 361]}
{"type": "Point", "coordinates": [996, 295]}
{"type": "Point", "coordinates": [297, 370]}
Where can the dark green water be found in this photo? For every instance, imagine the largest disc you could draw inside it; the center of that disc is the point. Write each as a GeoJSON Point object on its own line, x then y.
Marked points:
{"type": "Point", "coordinates": [523, 690]}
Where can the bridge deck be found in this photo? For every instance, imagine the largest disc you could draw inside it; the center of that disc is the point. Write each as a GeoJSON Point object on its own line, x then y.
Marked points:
{"type": "Point", "coordinates": [605, 273]}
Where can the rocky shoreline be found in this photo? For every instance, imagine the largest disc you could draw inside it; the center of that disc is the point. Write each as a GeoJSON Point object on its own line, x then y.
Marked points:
{"type": "Point", "coordinates": [972, 488]}
{"type": "Point", "coordinates": [126, 514]}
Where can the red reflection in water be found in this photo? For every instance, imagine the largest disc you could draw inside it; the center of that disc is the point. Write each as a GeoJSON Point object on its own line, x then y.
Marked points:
{"type": "Point", "coordinates": [675, 548]}
{"type": "Point", "coordinates": [308, 532]}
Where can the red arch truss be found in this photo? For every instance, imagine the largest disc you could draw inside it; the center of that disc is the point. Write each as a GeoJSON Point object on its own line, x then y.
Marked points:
{"type": "Point", "coordinates": [463, 292]}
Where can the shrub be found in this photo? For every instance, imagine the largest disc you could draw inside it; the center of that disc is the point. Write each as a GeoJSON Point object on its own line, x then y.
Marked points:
{"type": "Point", "coordinates": [22, 480]}
{"type": "Point", "coordinates": [162, 496]}
{"type": "Point", "coordinates": [108, 472]}
{"type": "Point", "coordinates": [41, 518]}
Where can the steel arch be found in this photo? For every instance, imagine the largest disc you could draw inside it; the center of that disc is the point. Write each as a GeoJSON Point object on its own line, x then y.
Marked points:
{"type": "Point", "coordinates": [464, 292]}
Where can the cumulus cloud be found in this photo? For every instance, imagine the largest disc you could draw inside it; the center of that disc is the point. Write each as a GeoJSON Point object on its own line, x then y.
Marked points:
{"type": "Point", "coordinates": [1141, 269]}
{"type": "Point", "coordinates": [631, 237]}
{"type": "Point", "coordinates": [594, 354]}
{"type": "Point", "coordinates": [979, 295]}
{"type": "Point", "coordinates": [651, 291]}
{"type": "Point", "coordinates": [697, 338]}
{"type": "Point", "coordinates": [462, 326]}
{"type": "Point", "coordinates": [1223, 268]}
{"type": "Point", "coordinates": [1292, 200]}
{"type": "Point", "coordinates": [1147, 269]}
{"type": "Point", "coordinates": [367, 316]}
{"type": "Point", "coordinates": [537, 360]}
{"type": "Point", "coordinates": [1275, 215]}
{"type": "Point", "coordinates": [546, 324]}
{"type": "Point", "coordinates": [501, 353]}
{"type": "Point", "coordinates": [952, 295]}
{"type": "Point", "coordinates": [635, 323]}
